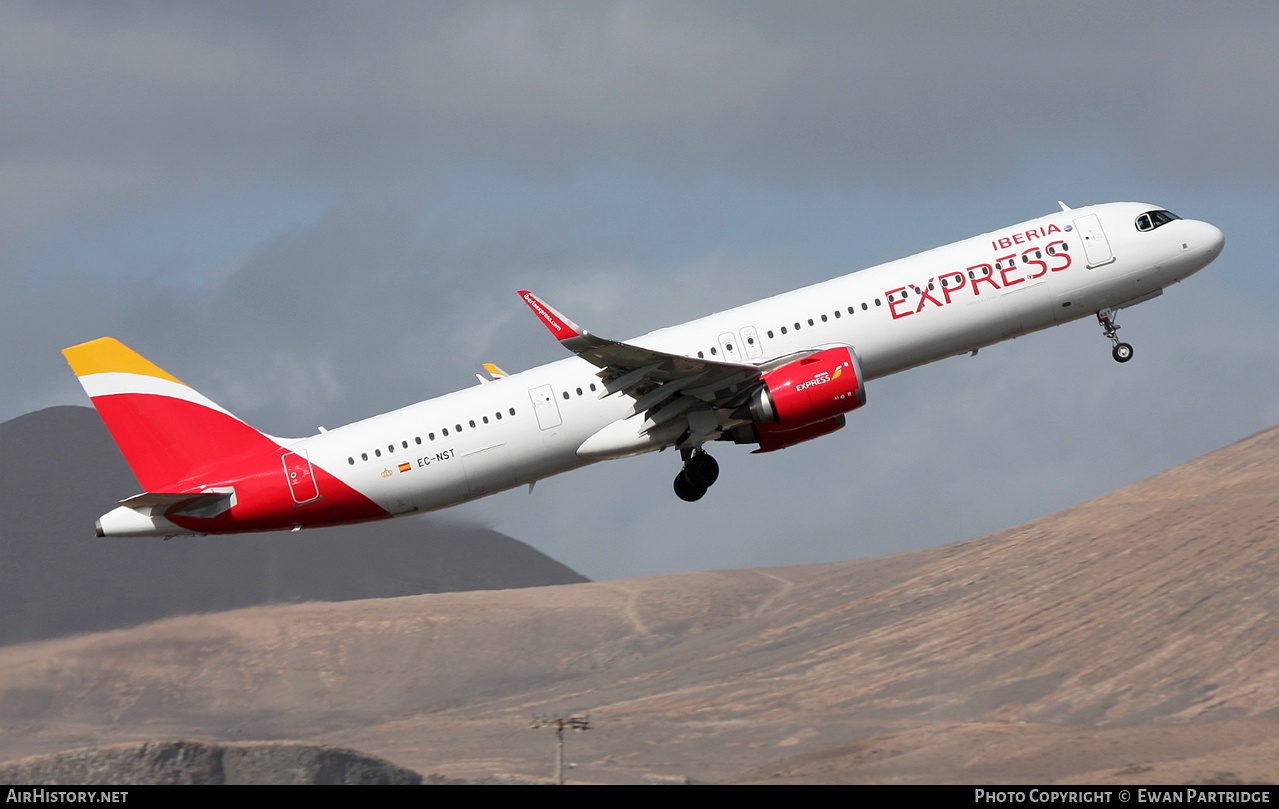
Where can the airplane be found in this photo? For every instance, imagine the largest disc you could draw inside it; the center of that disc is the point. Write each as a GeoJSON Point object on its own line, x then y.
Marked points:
{"type": "Point", "coordinates": [771, 374]}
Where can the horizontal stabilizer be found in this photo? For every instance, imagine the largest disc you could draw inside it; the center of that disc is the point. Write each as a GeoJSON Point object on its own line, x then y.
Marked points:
{"type": "Point", "coordinates": [163, 500]}
{"type": "Point", "coordinates": [147, 514]}
{"type": "Point", "coordinates": [494, 374]}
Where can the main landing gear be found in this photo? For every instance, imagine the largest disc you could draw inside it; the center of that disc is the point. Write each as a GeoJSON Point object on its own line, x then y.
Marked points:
{"type": "Point", "coordinates": [699, 473]}
{"type": "Point", "coordinates": [1122, 352]}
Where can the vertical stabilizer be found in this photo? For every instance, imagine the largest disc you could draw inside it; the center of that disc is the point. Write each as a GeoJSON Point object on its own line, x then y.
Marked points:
{"type": "Point", "coordinates": [166, 430]}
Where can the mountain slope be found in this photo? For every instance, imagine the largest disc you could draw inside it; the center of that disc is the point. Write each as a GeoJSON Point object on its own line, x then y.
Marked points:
{"type": "Point", "coordinates": [60, 470]}
{"type": "Point", "coordinates": [1024, 654]}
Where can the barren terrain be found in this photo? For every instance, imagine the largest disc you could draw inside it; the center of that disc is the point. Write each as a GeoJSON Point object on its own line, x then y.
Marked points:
{"type": "Point", "coordinates": [1130, 638]}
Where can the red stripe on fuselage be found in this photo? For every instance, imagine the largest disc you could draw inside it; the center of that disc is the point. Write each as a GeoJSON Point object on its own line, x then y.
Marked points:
{"type": "Point", "coordinates": [264, 502]}
{"type": "Point", "coordinates": [174, 445]}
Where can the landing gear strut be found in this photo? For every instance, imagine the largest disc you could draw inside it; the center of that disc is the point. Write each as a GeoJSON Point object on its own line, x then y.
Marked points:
{"type": "Point", "coordinates": [1122, 352]}
{"type": "Point", "coordinates": [699, 473]}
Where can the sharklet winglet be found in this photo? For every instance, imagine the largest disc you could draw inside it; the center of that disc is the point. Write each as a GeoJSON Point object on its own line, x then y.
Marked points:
{"type": "Point", "coordinates": [560, 326]}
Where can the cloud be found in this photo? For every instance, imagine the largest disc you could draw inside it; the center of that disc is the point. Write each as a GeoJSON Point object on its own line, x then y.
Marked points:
{"type": "Point", "coordinates": [319, 212]}
{"type": "Point", "coordinates": [814, 93]}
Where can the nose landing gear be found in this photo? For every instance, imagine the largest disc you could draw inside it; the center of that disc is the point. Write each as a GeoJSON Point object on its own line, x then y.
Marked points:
{"type": "Point", "coordinates": [699, 473]}
{"type": "Point", "coordinates": [1122, 352]}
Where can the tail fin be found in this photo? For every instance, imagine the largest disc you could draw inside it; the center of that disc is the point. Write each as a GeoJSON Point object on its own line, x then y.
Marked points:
{"type": "Point", "coordinates": [166, 430]}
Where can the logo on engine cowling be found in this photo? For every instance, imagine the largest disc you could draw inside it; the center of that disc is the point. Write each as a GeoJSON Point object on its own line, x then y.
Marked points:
{"type": "Point", "coordinates": [821, 378]}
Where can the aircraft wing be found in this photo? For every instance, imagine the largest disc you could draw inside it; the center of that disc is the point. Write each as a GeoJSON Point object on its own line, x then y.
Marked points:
{"type": "Point", "coordinates": [652, 377]}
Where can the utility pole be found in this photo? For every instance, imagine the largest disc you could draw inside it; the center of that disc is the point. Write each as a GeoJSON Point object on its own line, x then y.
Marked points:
{"type": "Point", "coordinates": [559, 722]}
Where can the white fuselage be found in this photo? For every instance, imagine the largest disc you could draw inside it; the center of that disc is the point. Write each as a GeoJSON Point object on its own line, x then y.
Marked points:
{"type": "Point", "coordinates": [940, 303]}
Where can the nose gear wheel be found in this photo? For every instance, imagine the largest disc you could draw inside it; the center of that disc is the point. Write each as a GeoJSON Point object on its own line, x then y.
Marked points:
{"type": "Point", "coordinates": [1122, 352]}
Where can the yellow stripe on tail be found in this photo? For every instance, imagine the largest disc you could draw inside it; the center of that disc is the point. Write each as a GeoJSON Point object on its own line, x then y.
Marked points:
{"type": "Point", "coordinates": [109, 355]}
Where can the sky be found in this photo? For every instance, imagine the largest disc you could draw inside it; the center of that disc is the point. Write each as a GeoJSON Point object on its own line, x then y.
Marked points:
{"type": "Point", "coordinates": [316, 212]}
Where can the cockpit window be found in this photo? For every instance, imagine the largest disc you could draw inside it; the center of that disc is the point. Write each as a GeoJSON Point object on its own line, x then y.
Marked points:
{"type": "Point", "coordinates": [1153, 219]}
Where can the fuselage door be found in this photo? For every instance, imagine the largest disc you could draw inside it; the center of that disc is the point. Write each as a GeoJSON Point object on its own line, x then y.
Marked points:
{"type": "Point", "coordinates": [297, 469]}
{"type": "Point", "coordinates": [750, 343]}
{"type": "Point", "coordinates": [548, 413]}
{"type": "Point", "coordinates": [728, 344]}
{"type": "Point", "coordinates": [1096, 245]}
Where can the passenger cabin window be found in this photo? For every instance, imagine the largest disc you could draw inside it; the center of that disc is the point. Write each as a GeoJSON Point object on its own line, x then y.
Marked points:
{"type": "Point", "coordinates": [1154, 219]}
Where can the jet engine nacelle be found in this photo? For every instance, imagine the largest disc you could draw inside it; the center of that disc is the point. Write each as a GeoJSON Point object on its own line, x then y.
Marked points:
{"type": "Point", "coordinates": [771, 437]}
{"type": "Point", "coordinates": [814, 389]}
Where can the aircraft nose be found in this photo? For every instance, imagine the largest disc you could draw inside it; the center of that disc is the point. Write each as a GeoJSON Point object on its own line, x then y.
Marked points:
{"type": "Point", "coordinates": [1213, 239]}
{"type": "Point", "coordinates": [1205, 239]}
